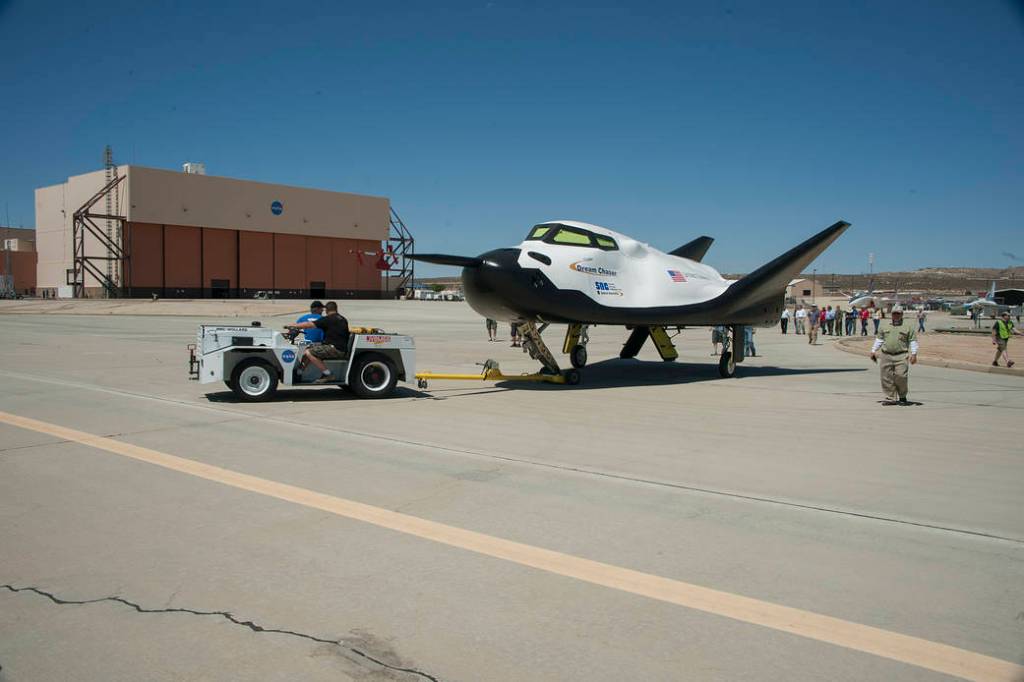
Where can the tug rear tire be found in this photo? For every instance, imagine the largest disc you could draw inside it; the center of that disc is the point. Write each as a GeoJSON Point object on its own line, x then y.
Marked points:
{"type": "Point", "coordinates": [373, 376]}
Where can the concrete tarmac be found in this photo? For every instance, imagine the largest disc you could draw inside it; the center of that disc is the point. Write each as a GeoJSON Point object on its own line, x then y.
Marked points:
{"type": "Point", "coordinates": [790, 484]}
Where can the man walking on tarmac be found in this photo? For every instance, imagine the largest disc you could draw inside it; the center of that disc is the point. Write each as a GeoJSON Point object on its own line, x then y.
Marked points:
{"type": "Point", "coordinates": [895, 339]}
{"type": "Point", "coordinates": [1002, 330]}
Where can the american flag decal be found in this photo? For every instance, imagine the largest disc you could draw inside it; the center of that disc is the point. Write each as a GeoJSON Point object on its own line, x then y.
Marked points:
{"type": "Point", "coordinates": [676, 276]}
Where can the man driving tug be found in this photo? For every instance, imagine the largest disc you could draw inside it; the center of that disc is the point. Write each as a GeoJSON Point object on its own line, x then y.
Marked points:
{"type": "Point", "coordinates": [335, 341]}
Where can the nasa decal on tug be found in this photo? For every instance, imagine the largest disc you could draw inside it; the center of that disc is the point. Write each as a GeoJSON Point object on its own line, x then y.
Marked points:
{"type": "Point", "coordinates": [626, 282]}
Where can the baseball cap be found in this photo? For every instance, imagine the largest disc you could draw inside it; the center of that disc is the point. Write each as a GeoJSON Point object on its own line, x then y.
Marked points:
{"type": "Point", "coordinates": [316, 304]}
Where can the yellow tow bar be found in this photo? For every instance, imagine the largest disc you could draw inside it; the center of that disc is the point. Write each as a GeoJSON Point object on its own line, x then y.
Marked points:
{"type": "Point", "coordinates": [492, 372]}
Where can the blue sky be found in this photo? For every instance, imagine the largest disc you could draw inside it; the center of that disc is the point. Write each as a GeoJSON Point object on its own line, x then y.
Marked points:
{"type": "Point", "coordinates": [756, 123]}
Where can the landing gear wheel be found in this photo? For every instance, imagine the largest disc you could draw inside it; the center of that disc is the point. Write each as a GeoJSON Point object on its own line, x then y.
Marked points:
{"type": "Point", "coordinates": [373, 376]}
{"type": "Point", "coordinates": [726, 365]}
{"type": "Point", "coordinates": [578, 356]}
{"type": "Point", "coordinates": [254, 380]}
{"type": "Point", "coordinates": [572, 376]}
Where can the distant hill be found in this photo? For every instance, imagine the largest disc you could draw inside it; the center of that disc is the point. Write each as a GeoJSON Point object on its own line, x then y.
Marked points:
{"type": "Point", "coordinates": [951, 281]}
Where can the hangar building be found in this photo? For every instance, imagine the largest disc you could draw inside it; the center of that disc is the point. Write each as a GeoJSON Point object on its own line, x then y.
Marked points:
{"type": "Point", "coordinates": [136, 231]}
{"type": "Point", "coordinates": [17, 261]}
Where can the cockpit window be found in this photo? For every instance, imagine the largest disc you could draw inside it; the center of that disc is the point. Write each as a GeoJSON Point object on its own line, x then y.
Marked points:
{"type": "Point", "coordinates": [574, 237]}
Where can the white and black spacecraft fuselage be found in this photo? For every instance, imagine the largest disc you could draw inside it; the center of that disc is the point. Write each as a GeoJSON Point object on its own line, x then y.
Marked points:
{"type": "Point", "coordinates": [573, 272]}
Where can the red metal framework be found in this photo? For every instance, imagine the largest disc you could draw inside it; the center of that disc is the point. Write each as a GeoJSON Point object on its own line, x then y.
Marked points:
{"type": "Point", "coordinates": [115, 249]}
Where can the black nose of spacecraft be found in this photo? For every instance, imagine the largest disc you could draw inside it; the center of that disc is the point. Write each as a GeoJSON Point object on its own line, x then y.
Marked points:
{"type": "Point", "coordinates": [497, 287]}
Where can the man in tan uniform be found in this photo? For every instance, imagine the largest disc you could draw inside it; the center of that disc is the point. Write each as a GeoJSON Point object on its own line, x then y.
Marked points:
{"type": "Point", "coordinates": [895, 340]}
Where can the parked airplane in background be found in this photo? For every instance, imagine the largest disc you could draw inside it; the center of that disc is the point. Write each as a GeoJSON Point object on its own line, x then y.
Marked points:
{"type": "Point", "coordinates": [582, 275]}
{"type": "Point", "coordinates": [880, 299]}
{"type": "Point", "coordinates": [988, 304]}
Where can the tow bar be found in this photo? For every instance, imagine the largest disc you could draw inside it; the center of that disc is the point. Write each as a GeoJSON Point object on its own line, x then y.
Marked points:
{"type": "Point", "coordinates": [492, 372]}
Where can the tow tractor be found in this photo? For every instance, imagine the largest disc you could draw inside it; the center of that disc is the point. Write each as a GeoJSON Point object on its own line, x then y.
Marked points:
{"type": "Point", "coordinates": [253, 361]}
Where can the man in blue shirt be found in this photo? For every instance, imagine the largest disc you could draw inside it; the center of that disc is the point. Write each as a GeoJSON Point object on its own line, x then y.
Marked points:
{"type": "Point", "coordinates": [316, 311]}
{"type": "Point", "coordinates": [314, 335]}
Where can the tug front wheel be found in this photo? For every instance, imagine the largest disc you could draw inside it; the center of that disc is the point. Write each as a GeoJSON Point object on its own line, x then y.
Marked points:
{"type": "Point", "coordinates": [254, 380]}
{"type": "Point", "coordinates": [578, 356]}
{"type": "Point", "coordinates": [727, 365]}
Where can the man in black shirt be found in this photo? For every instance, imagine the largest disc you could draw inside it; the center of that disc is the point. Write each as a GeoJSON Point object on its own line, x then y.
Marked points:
{"type": "Point", "coordinates": [334, 345]}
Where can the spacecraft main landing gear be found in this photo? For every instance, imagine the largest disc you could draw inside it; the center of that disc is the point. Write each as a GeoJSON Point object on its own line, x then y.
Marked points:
{"type": "Point", "coordinates": [734, 338]}
{"type": "Point", "coordinates": [659, 335]}
{"type": "Point", "coordinates": [575, 344]}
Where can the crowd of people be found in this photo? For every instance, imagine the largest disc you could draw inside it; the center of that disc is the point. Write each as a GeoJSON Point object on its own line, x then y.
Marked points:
{"type": "Point", "coordinates": [835, 321]}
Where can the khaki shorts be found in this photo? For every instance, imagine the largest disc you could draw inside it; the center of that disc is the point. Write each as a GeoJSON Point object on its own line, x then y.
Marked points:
{"type": "Point", "coordinates": [325, 351]}
{"type": "Point", "coordinates": [1001, 344]}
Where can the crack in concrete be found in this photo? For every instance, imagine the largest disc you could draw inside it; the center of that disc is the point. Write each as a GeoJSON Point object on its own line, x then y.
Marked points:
{"type": "Point", "coordinates": [227, 615]}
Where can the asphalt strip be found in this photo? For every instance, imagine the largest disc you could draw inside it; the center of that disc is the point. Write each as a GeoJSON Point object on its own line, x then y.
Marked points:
{"type": "Point", "coordinates": [914, 651]}
{"type": "Point", "coordinates": [794, 504]}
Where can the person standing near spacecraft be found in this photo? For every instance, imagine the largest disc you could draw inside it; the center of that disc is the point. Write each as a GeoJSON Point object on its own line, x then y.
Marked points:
{"type": "Point", "coordinates": [895, 340]}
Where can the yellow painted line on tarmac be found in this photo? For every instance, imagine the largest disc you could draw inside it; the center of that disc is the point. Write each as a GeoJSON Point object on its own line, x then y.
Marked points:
{"type": "Point", "coordinates": [891, 645]}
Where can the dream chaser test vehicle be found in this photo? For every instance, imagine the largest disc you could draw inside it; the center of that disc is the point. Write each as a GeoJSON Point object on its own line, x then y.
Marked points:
{"type": "Point", "coordinates": [581, 275]}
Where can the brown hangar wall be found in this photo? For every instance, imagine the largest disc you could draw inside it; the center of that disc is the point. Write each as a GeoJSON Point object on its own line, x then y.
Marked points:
{"type": "Point", "coordinates": [177, 261]}
{"type": "Point", "coordinates": [255, 260]}
{"type": "Point", "coordinates": [183, 260]}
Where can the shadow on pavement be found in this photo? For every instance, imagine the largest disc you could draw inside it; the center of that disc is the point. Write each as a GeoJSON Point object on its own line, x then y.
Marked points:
{"type": "Point", "coordinates": [613, 373]}
{"type": "Point", "coordinates": [620, 373]}
{"type": "Point", "coordinates": [897, 403]}
{"type": "Point", "coordinates": [319, 394]}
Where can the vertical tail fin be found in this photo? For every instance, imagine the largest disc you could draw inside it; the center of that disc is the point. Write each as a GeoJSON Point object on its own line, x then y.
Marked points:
{"type": "Point", "coordinates": [694, 250]}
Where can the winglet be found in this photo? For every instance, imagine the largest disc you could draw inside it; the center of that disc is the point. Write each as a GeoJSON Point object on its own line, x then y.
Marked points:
{"type": "Point", "coordinates": [770, 280]}
{"type": "Point", "coordinates": [694, 250]}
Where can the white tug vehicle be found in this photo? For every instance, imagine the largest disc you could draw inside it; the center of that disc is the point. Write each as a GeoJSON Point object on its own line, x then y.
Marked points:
{"type": "Point", "coordinates": [253, 361]}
